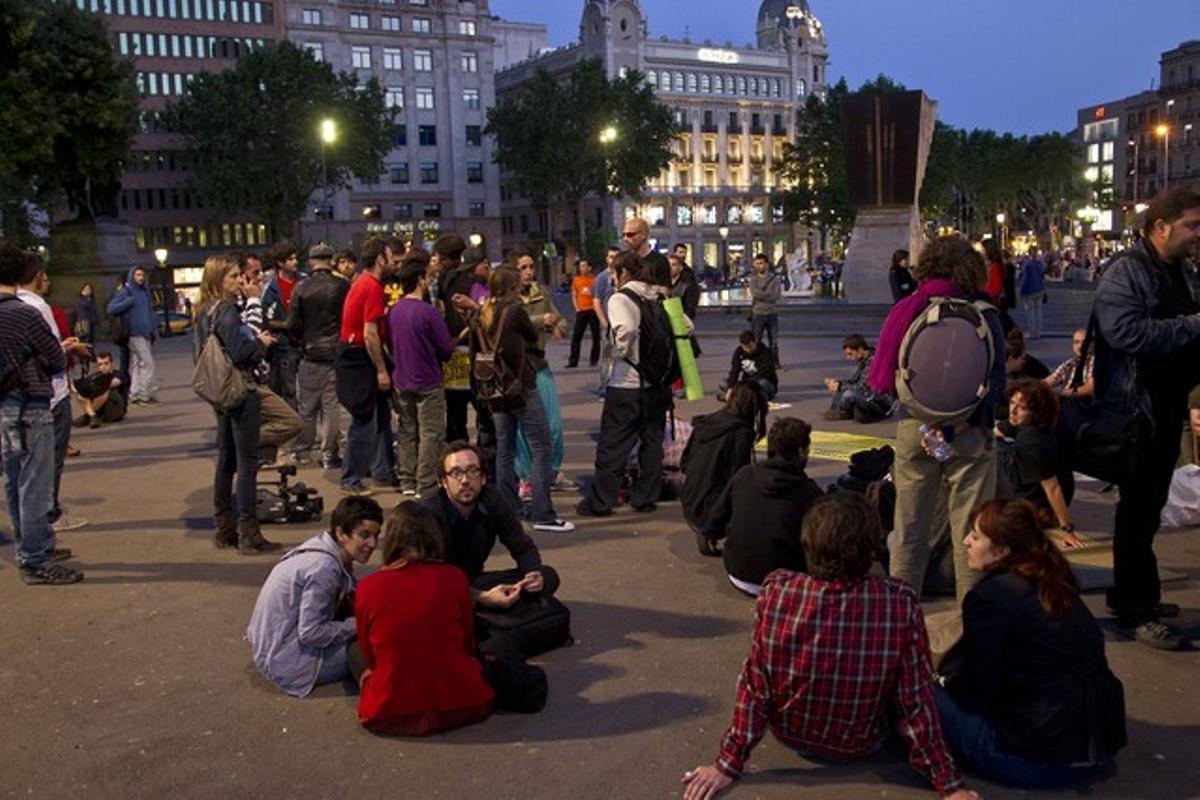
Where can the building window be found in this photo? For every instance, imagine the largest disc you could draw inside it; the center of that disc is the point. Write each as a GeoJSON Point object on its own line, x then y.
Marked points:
{"type": "Point", "coordinates": [360, 22]}
{"type": "Point", "coordinates": [399, 173]}
{"type": "Point", "coordinates": [691, 82]}
{"type": "Point", "coordinates": [418, 2]}
{"type": "Point", "coordinates": [706, 83]}
{"type": "Point", "coordinates": [657, 215]}
{"type": "Point", "coordinates": [466, 27]}
{"type": "Point", "coordinates": [311, 16]}
{"type": "Point", "coordinates": [433, 210]}
{"type": "Point", "coordinates": [652, 79]}
{"type": "Point", "coordinates": [389, 23]}
{"type": "Point", "coordinates": [427, 135]}
{"type": "Point", "coordinates": [424, 98]}
{"type": "Point", "coordinates": [757, 212]}
{"type": "Point", "coordinates": [474, 136]}
{"type": "Point", "coordinates": [683, 216]}
{"type": "Point", "coordinates": [400, 137]}
{"type": "Point", "coordinates": [1106, 150]}
{"type": "Point", "coordinates": [393, 97]}
{"type": "Point", "coordinates": [402, 211]}
{"type": "Point", "coordinates": [422, 25]}
{"type": "Point", "coordinates": [423, 60]}
{"type": "Point", "coordinates": [392, 59]}
{"type": "Point", "coordinates": [741, 84]}
{"type": "Point", "coordinates": [679, 81]}
{"type": "Point", "coordinates": [710, 215]}
{"type": "Point", "coordinates": [360, 57]}
{"type": "Point", "coordinates": [470, 62]}
{"type": "Point", "coordinates": [476, 209]}
{"type": "Point", "coordinates": [471, 99]}
{"type": "Point", "coordinates": [372, 211]}
{"type": "Point", "coordinates": [475, 172]}
{"type": "Point", "coordinates": [429, 172]}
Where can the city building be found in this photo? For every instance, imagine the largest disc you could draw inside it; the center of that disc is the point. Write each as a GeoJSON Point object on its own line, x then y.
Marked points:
{"type": "Point", "coordinates": [435, 60]}
{"type": "Point", "coordinates": [736, 107]}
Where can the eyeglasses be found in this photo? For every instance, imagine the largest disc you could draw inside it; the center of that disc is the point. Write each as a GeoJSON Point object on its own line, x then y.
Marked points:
{"type": "Point", "coordinates": [631, 234]}
{"type": "Point", "coordinates": [456, 474]}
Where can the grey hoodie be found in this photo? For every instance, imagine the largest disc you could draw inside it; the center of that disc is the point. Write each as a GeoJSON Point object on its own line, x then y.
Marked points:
{"type": "Point", "coordinates": [765, 291]}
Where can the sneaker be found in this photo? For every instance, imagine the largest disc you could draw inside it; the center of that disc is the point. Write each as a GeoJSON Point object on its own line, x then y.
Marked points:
{"type": "Point", "coordinates": [707, 547]}
{"type": "Point", "coordinates": [525, 491]}
{"type": "Point", "coordinates": [61, 553]}
{"type": "Point", "coordinates": [358, 489]}
{"type": "Point", "coordinates": [301, 459]}
{"type": "Point", "coordinates": [1157, 635]}
{"type": "Point", "coordinates": [51, 575]}
{"type": "Point", "coordinates": [66, 522]}
{"type": "Point", "coordinates": [554, 526]}
{"type": "Point", "coordinates": [563, 484]}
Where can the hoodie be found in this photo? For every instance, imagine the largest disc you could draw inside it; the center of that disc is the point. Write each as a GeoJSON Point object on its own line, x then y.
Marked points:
{"type": "Point", "coordinates": [759, 513]}
{"type": "Point", "coordinates": [720, 445]}
{"type": "Point", "coordinates": [134, 300]}
{"type": "Point", "coordinates": [293, 619]}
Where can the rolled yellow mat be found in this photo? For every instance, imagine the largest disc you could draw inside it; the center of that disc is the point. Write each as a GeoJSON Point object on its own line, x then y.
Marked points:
{"type": "Point", "coordinates": [683, 346]}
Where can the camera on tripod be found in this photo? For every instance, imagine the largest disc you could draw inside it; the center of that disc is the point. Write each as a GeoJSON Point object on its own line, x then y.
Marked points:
{"type": "Point", "coordinates": [286, 503]}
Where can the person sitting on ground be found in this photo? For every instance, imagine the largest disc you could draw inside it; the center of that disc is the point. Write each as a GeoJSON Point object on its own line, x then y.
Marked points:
{"type": "Point", "coordinates": [1018, 361]}
{"type": "Point", "coordinates": [1189, 445]}
{"type": "Point", "coordinates": [1029, 464]}
{"type": "Point", "coordinates": [721, 443]}
{"type": "Point", "coordinates": [838, 657]}
{"type": "Point", "coordinates": [100, 395]}
{"type": "Point", "coordinates": [751, 361]}
{"type": "Point", "coordinates": [419, 604]}
{"type": "Point", "coordinates": [1028, 699]}
{"type": "Point", "coordinates": [852, 398]}
{"type": "Point", "coordinates": [298, 632]}
{"type": "Point", "coordinates": [759, 512]}
{"type": "Point", "coordinates": [475, 514]}
{"type": "Point", "coordinates": [1060, 380]}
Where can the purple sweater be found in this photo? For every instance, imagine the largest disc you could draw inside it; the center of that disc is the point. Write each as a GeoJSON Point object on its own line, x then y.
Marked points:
{"type": "Point", "coordinates": [420, 344]}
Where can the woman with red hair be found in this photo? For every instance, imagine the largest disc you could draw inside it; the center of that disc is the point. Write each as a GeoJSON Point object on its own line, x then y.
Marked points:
{"type": "Point", "coordinates": [1029, 700]}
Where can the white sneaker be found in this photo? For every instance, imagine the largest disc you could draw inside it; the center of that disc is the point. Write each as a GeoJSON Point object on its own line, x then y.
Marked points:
{"type": "Point", "coordinates": [66, 522]}
{"type": "Point", "coordinates": [554, 526]}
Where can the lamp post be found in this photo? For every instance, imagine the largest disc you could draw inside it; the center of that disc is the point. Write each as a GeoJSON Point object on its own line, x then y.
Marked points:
{"type": "Point", "coordinates": [1137, 169]}
{"type": "Point", "coordinates": [1000, 220]}
{"type": "Point", "coordinates": [328, 137]}
{"type": "Point", "coordinates": [1164, 132]}
{"type": "Point", "coordinates": [724, 233]}
{"type": "Point", "coordinates": [161, 256]}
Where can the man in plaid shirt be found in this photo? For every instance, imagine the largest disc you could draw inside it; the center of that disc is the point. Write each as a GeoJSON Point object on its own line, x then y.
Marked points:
{"type": "Point", "coordinates": [838, 659]}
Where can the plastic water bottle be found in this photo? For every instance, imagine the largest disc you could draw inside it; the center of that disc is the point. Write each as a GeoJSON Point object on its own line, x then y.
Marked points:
{"type": "Point", "coordinates": [936, 444]}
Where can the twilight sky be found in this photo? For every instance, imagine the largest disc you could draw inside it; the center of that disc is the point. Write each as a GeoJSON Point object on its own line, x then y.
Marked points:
{"type": "Point", "coordinates": [1024, 66]}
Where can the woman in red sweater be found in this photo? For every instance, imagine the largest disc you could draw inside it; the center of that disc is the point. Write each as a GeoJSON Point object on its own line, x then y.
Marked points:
{"type": "Point", "coordinates": [415, 628]}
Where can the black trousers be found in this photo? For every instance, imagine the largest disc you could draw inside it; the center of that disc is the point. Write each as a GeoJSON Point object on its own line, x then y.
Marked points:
{"type": "Point", "coordinates": [509, 643]}
{"type": "Point", "coordinates": [630, 417]}
{"type": "Point", "coordinates": [583, 321]}
{"type": "Point", "coordinates": [1136, 589]}
{"type": "Point", "coordinates": [457, 403]}
{"type": "Point", "coordinates": [237, 454]}
{"type": "Point", "coordinates": [285, 364]}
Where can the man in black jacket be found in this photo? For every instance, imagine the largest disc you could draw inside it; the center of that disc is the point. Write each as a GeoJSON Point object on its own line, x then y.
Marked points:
{"type": "Point", "coordinates": [760, 511]}
{"type": "Point", "coordinates": [751, 361]}
{"type": "Point", "coordinates": [315, 317]}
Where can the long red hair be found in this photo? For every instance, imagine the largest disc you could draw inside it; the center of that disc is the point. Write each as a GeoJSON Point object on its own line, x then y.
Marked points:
{"type": "Point", "coordinates": [1017, 525]}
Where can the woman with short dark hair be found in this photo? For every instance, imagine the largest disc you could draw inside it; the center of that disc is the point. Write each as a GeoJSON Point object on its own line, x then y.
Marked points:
{"type": "Point", "coordinates": [1028, 699]}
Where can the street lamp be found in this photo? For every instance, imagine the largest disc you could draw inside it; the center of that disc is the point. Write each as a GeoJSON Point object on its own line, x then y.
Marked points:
{"type": "Point", "coordinates": [608, 134]}
{"type": "Point", "coordinates": [475, 240]}
{"type": "Point", "coordinates": [1000, 220]}
{"type": "Point", "coordinates": [328, 137]}
{"type": "Point", "coordinates": [160, 255]}
{"type": "Point", "coordinates": [1164, 132]}
{"type": "Point", "coordinates": [724, 233]}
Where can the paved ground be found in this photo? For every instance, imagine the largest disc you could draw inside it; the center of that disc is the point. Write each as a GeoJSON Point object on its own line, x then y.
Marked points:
{"type": "Point", "coordinates": [135, 683]}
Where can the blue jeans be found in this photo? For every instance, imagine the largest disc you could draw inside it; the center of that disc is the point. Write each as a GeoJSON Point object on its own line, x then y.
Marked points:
{"type": "Point", "coordinates": [335, 665]}
{"type": "Point", "coordinates": [532, 418]}
{"type": "Point", "coordinates": [237, 462]}
{"type": "Point", "coordinates": [548, 392]}
{"type": "Point", "coordinates": [976, 745]}
{"type": "Point", "coordinates": [27, 447]}
{"type": "Point", "coordinates": [369, 445]}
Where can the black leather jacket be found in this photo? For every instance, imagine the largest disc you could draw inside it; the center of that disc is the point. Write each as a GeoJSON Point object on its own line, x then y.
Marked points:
{"type": "Point", "coordinates": [315, 315]}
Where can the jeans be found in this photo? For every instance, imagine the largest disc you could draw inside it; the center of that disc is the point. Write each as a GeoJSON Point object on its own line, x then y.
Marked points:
{"type": "Point", "coordinates": [27, 448]}
{"type": "Point", "coordinates": [767, 324]}
{"type": "Point", "coordinates": [237, 454]}
{"type": "Point", "coordinates": [606, 361]}
{"type": "Point", "coordinates": [285, 363]}
{"type": "Point", "coordinates": [548, 392]}
{"type": "Point", "coordinates": [278, 423]}
{"type": "Point", "coordinates": [369, 445]}
{"type": "Point", "coordinates": [532, 418]}
{"type": "Point", "coordinates": [335, 665]}
{"type": "Point", "coordinates": [62, 439]}
{"type": "Point", "coordinates": [976, 745]}
{"type": "Point", "coordinates": [422, 436]}
{"type": "Point", "coordinates": [142, 377]}
{"type": "Point", "coordinates": [318, 396]}
{"type": "Point", "coordinates": [1032, 304]}
{"type": "Point", "coordinates": [630, 417]}
{"type": "Point", "coordinates": [861, 405]}
{"type": "Point", "coordinates": [585, 320]}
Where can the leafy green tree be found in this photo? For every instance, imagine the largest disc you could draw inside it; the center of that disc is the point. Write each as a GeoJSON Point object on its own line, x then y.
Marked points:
{"type": "Point", "coordinates": [549, 136]}
{"type": "Point", "coordinates": [254, 130]}
{"type": "Point", "coordinates": [68, 110]}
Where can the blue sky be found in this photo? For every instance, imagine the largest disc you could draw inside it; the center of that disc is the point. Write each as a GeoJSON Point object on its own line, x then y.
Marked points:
{"type": "Point", "coordinates": [1024, 66]}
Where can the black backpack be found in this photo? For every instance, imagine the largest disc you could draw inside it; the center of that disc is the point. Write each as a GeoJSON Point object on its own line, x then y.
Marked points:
{"type": "Point", "coordinates": [658, 360]}
{"type": "Point", "coordinates": [495, 382]}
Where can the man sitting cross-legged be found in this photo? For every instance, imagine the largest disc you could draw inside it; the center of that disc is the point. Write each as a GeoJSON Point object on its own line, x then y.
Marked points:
{"type": "Point", "coordinates": [838, 659]}
{"type": "Point", "coordinates": [100, 394]}
{"type": "Point", "coordinates": [474, 515]}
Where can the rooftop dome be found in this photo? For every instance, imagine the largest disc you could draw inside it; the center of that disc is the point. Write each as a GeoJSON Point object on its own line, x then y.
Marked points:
{"type": "Point", "coordinates": [777, 10]}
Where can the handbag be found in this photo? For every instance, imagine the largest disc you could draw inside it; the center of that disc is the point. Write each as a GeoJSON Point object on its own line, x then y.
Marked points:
{"type": "Point", "coordinates": [215, 378]}
{"type": "Point", "coordinates": [1095, 438]}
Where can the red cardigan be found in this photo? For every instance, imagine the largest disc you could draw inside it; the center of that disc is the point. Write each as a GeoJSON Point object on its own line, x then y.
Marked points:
{"type": "Point", "coordinates": [416, 630]}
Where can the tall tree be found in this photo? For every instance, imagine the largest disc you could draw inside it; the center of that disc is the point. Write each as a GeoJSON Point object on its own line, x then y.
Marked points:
{"type": "Point", "coordinates": [68, 109]}
{"type": "Point", "coordinates": [254, 129]}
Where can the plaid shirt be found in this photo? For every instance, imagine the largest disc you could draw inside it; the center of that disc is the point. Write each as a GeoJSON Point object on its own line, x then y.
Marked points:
{"type": "Point", "coordinates": [828, 663]}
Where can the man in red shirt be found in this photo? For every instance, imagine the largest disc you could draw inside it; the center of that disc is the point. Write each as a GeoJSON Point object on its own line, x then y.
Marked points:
{"type": "Point", "coordinates": [837, 656]}
{"type": "Point", "coordinates": [364, 381]}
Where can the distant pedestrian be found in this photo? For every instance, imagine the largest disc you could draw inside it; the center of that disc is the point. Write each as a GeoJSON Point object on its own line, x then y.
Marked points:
{"type": "Point", "coordinates": [765, 293]}
{"type": "Point", "coordinates": [133, 301]}
{"type": "Point", "coordinates": [900, 277]}
{"type": "Point", "coordinates": [1033, 293]}
{"type": "Point", "coordinates": [87, 318]}
{"type": "Point", "coordinates": [585, 314]}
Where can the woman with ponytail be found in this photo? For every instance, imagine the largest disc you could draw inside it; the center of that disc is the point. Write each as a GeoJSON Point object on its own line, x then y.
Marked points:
{"type": "Point", "coordinates": [1031, 701]}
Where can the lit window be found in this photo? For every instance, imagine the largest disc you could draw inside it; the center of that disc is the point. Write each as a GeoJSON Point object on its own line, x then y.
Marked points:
{"type": "Point", "coordinates": [422, 25]}
{"type": "Point", "coordinates": [394, 97]}
{"type": "Point", "coordinates": [389, 23]}
{"type": "Point", "coordinates": [657, 215]}
{"type": "Point", "coordinates": [425, 98]}
{"type": "Point", "coordinates": [652, 79]}
{"type": "Point", "coordinates": [360, 22]}
{"type": "Point", "coordinates": [392, 59]}
{"type": "Point", "coordinates": [471, 99]}
{"type": "Point", "coordinates": [691, 82]}
{"type": "Point", "coordinates": [311, 16]}
{"type": "Point", "coordinates": [360, 57]}
{"type": "Point", "coordinates": [423, 60]}
{"type": "Point", "coordinates": [733, 215]}
{"type": "Point", "coordinates": [719, 84]}
{"type": "Point", "coordinates": [683, 216]}
{"type": "Point", "coordinates": [466, 27]}
{"type": "Point", "coordinates": [706, 83]}
{"type": "Point", "coordinates": [470, 62]}
{"type": "Point", "coordinates": [316, 49]}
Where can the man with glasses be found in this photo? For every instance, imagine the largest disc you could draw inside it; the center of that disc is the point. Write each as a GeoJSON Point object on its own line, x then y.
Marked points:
{"type": "Point", "coordinates": [637, 238]}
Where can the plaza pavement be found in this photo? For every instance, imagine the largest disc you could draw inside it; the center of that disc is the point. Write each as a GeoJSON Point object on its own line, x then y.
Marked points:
{"type": "Point", "coordinates": [137, 683]}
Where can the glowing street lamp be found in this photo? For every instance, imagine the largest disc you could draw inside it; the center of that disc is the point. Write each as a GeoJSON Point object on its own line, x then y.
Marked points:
{"type": "Point", "coordinates": [328, 137]}
{"type": "Point", "coordinates": [609, 134]}
{"type": "Point", "coordinates": [160, 255]}
{"type": "Point", "coordinates": [1164, 132]}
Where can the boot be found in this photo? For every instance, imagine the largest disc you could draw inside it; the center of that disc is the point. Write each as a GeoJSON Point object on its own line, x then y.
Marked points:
{"type": "Point", "coordinates": [226, 535]}
{"type": "Point", "coordinates": [250, 540]}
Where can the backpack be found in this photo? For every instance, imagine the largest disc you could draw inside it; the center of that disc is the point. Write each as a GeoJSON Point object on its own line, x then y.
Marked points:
{"type": "Point", "coordinates": [658, 359]}
{"type": "Point", "coordinates": [945, 367]}
{"type": "Point", "coordinates": [495, 382]}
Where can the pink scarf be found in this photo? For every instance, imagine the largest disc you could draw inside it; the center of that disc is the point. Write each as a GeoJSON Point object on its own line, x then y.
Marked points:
{"type": "Point", "coordinates": [882, 378]}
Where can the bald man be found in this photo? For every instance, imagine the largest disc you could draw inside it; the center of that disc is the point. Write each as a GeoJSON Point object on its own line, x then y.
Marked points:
{"type": "Point", "coordinates": [637, 238]}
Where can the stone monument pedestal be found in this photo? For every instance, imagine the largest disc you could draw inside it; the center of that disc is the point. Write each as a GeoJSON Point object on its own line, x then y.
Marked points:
{"type": "Point", "coordinates": [878, 232]}
{"type": "Point", "coordinates": [95, 252]}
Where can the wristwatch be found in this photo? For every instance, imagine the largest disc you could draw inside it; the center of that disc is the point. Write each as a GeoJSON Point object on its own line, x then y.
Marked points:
{"type": "Point", "coordinates": [1069, 527]}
